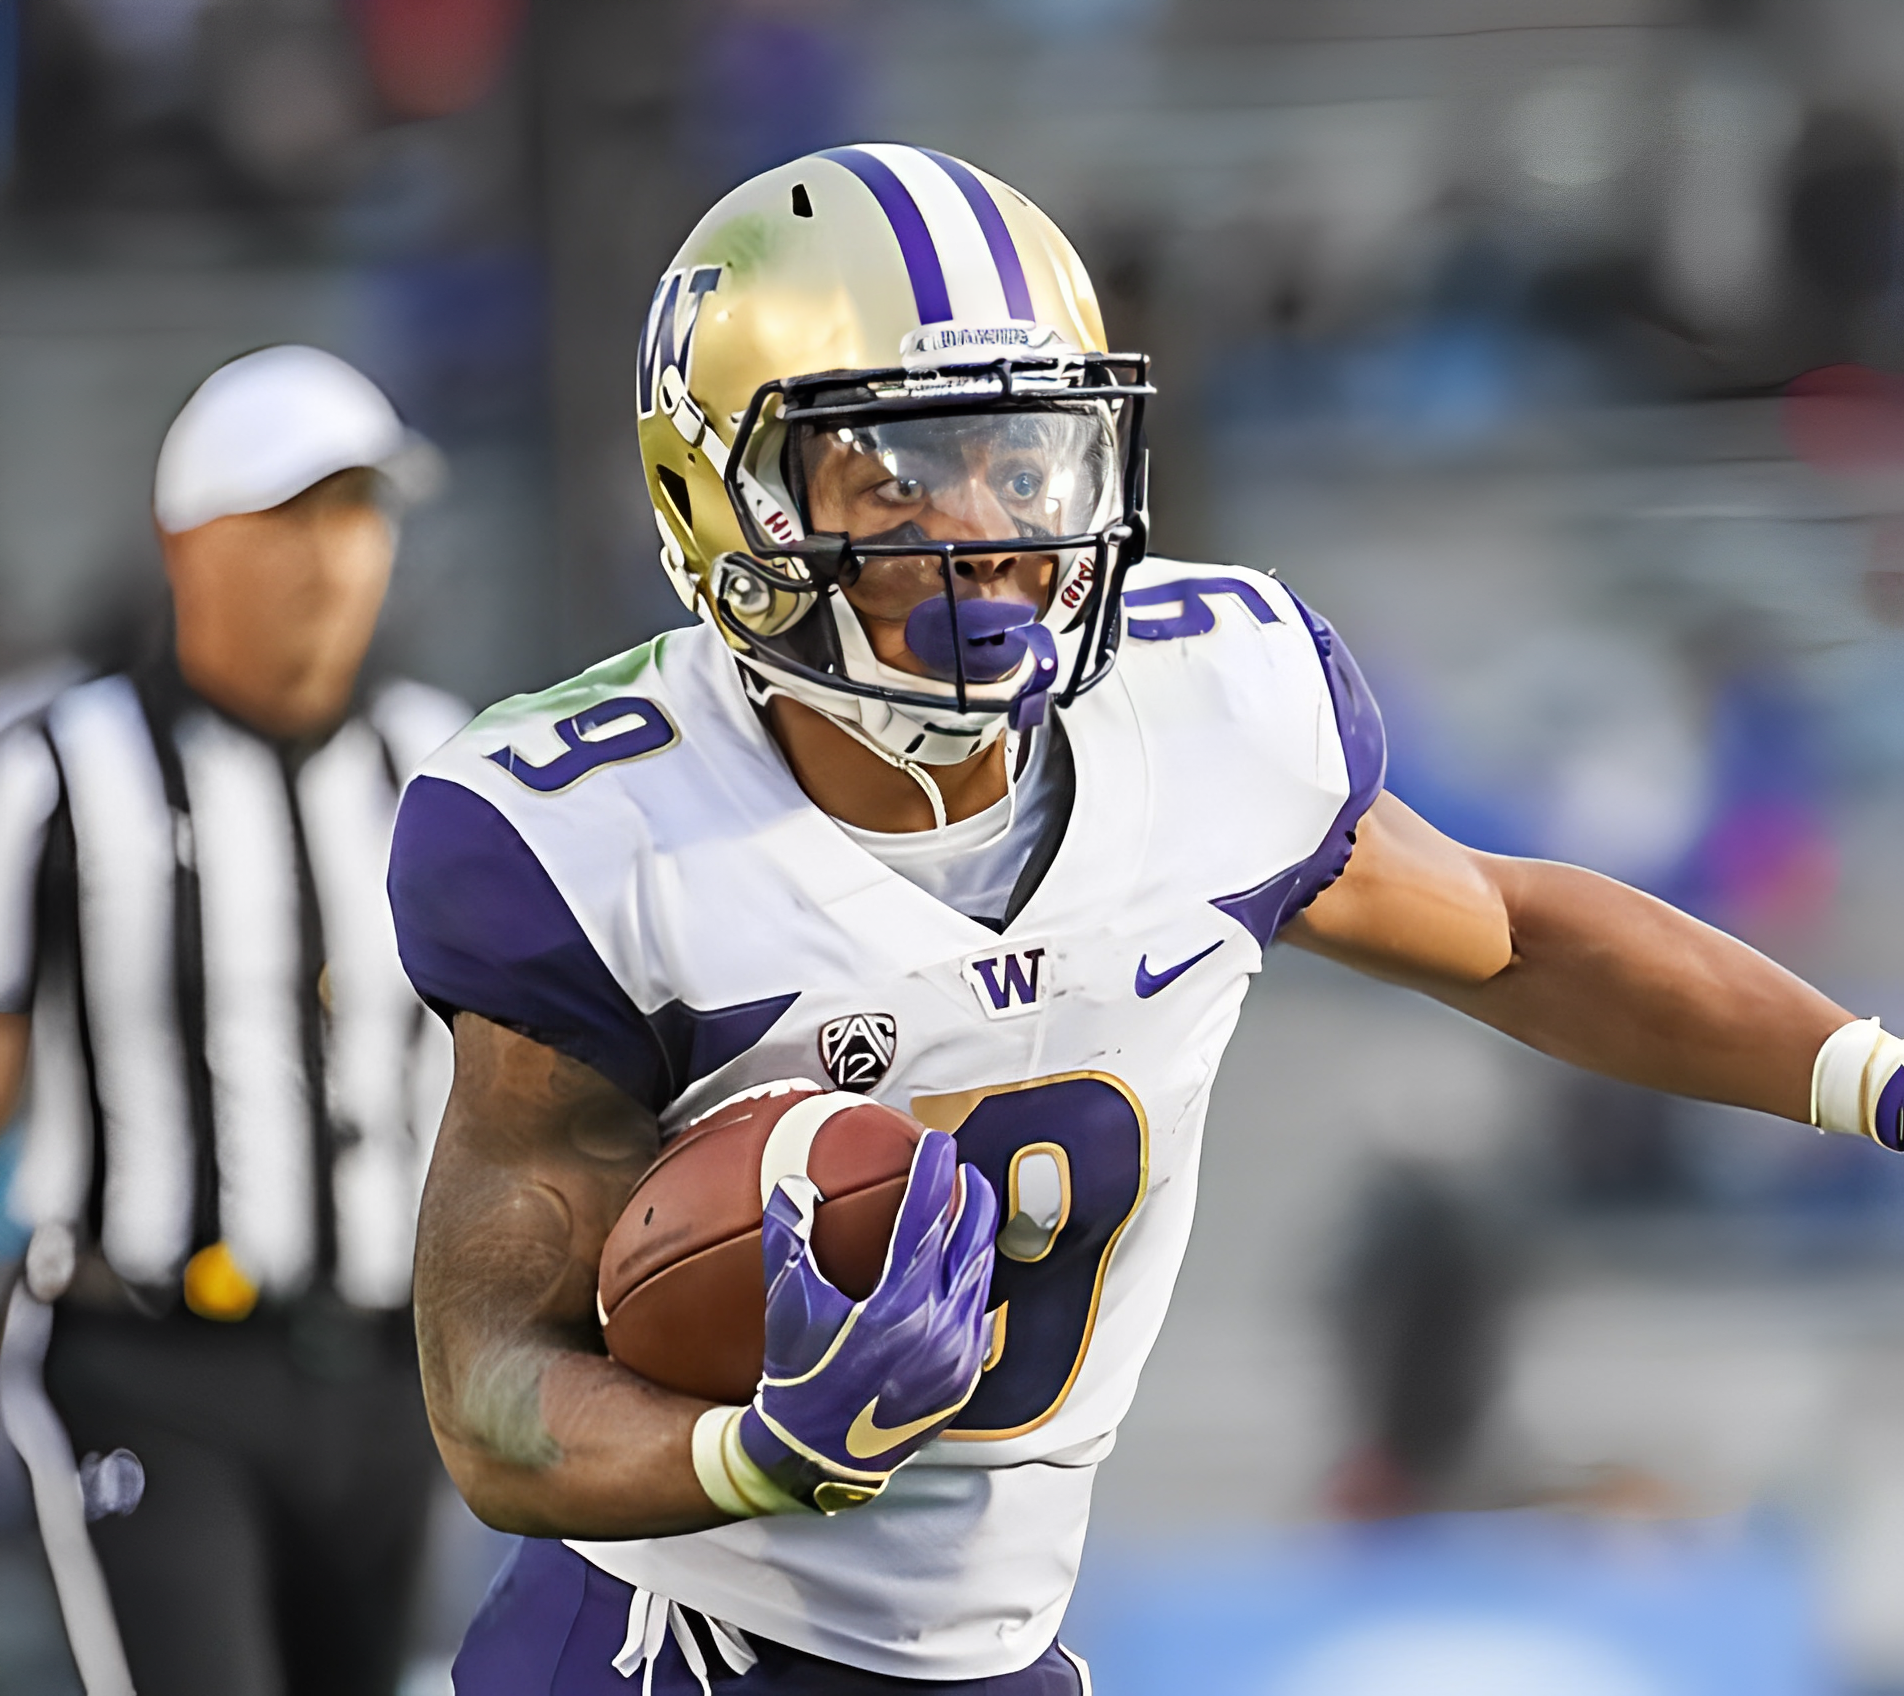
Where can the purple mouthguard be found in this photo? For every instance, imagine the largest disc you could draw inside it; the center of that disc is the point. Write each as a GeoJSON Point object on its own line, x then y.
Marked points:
{"type": "Point", "coordinates": [994, 634]}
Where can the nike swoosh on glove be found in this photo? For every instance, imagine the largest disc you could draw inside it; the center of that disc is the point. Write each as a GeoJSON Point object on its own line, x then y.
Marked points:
{"type": "Point", "coordinates": [852, 1391]}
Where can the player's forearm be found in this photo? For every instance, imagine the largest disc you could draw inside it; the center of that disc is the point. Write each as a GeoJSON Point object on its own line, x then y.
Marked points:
{"type": "Point", "coordinates": [601, 1455]}
{"type": "Point", "coordinates": [542, 1433]}
{"type": "Point", "coordinates": [1615, 981]}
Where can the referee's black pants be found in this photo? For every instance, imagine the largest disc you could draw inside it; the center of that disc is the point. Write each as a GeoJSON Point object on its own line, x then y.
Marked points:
{"type": "Point", "coordinates": [288, 1473]}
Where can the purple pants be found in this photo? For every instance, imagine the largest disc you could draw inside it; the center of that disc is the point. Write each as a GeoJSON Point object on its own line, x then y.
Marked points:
{"type": "Point", "coordinates": [552, 1624]}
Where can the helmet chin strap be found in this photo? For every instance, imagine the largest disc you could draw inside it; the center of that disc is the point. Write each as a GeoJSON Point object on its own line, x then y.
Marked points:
{"type": "Point", "coordinates": [761, 689]}
{"type": "Point", "coordinates": [935, 796]}
{"type": "Point", "coordinates": [893, 732]}
{"type": "Point", "coordinates": [922, 775]}
{"type": "Point", "coordinates": [900, 735]}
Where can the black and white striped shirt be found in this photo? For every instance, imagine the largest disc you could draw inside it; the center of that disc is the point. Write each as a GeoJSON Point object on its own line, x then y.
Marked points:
{"type": "Point", "coordinates": [225, 1047]}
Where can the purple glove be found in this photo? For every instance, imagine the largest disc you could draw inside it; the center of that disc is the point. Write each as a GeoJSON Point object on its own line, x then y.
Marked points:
{"type": "Point", "coordinates": [853, 1390]}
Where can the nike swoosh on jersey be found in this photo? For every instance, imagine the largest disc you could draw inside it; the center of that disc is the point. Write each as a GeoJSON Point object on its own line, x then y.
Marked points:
{"type": "Point", "coordinates": [867, 1440]}
{"type": "Point", "coordinates": [1148, 982]}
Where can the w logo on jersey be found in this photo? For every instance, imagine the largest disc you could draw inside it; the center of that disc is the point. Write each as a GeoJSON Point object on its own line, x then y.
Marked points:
{"type": "Point", "coordinates": [1008, 983]}
{"type": "Point", "coordinates": [661, 377]}
{"type": "Point", "coordinates": [857, 1050]}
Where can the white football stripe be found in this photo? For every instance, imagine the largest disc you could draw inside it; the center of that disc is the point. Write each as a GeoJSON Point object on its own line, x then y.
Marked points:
{"type": "Point", "coordinates": [432, 1067]}
{"type": "Point", "coordinates": [348, 805]}
{"type": "Point", "coordinates": [127, 860]}
{"type": "Point", "coordinates": [248, 905]}
{"type": "Point", "coordinates": [414, 720]}
{"type": "Point", "coordinates": [791, 1140]}
{"type": "Point", "coordinates": [29, 790]}
{"type": "Point", "coordinates": [54, 1177]}
{"type": "Point", "coordinates": [971, 277]}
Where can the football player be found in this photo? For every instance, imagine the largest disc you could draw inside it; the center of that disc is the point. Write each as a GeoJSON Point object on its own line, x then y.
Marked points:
{"type": "Point", "coordinates": [958, 795]}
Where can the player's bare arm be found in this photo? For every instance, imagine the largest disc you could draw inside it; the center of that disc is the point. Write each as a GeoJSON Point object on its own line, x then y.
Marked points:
{"type": "Point", "coordinates": [1574, 964]}
{"type": "Point", "coordinates": [542, 1432]}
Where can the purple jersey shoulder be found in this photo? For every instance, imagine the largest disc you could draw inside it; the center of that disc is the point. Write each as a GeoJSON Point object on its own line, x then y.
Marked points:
{"type": "Point", "coordinates": [482, 928]}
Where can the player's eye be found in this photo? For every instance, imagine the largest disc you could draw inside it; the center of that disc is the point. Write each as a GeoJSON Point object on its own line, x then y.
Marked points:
{"type": "Point", "coordinates": [901, 491]}
{"type": "Point", "coordinates": [1023, 485]}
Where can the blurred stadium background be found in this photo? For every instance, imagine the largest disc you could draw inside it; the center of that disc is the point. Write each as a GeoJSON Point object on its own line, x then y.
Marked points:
{"type": "Point", "coordinates": [1478, 320]}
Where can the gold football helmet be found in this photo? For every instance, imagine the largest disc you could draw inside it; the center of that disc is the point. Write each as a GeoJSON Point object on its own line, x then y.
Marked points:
{"type": "Point", "coordinates": [889, 454]}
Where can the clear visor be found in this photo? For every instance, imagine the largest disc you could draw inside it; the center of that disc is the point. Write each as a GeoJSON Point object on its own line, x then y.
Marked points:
{"type": "Point", "coordinates": [957, 476]}
{"type": "Point", "coordinates": [1016, 491]}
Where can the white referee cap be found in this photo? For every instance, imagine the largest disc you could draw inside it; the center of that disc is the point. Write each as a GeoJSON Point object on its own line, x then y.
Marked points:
{"type": "Point", "coordinates": [269, 425]}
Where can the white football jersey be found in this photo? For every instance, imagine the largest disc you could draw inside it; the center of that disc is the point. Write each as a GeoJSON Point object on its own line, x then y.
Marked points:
{"type": "Point", "coordinates": [625, 868]}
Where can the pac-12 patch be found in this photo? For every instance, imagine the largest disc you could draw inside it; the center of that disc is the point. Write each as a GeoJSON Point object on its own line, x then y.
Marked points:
{"type": "Point", "coordinates": [856, 1050]}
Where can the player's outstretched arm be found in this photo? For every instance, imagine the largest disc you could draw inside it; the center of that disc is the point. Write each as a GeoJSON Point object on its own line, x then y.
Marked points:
{"type": "Point", "coordinates": [1574, 964]}
{"type": "Point", "coordinates": [542, 1432]}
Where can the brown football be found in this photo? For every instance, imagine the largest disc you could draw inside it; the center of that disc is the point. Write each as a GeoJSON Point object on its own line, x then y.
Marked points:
{"type": "Point", "coordinates": [683, 1300]}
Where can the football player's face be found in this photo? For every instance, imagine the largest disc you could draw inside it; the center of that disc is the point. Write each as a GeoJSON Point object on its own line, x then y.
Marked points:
{"type": "Point", "coordinates": [943, 481]}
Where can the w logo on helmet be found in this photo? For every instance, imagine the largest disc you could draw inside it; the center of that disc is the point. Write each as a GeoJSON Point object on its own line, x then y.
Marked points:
{"type": "Point", "coordinates": [666, 340]}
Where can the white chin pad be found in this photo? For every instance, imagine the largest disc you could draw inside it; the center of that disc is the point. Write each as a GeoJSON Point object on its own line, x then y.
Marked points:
{"type": "Point", "coordinates": [863, 666]}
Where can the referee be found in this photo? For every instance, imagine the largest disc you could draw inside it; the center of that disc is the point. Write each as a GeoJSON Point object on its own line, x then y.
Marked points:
{"type": "Point", "coordinates": [233, 1086]}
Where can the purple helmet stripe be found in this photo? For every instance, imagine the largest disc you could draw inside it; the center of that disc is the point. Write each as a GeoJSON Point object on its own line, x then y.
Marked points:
{"type": "Point", "coordinates": [1011, 272]}
{"type": "Point", "coordinates": [909, 225]}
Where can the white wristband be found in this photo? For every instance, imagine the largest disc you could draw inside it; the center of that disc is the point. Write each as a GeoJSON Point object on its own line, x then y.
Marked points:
{"type": "Point", "coordinates": [709, 1468]}
{"type": "Point", "coordinates": [1849, 1075]}
{"type": "Point", "coordinates": [732, 1482]}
